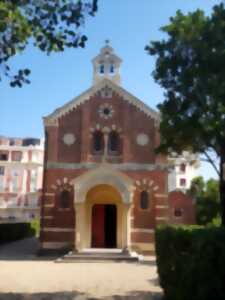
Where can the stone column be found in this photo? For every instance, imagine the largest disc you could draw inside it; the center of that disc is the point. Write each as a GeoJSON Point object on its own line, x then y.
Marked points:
{"type": "Point", "coordinates": [105, 154]}
{"type": "Point", "coordinates": [80, 228]}
{"type": "Point", "coordinates": [125, 227]}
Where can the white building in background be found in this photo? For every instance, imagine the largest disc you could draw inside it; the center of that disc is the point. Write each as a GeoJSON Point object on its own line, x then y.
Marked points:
{"type": "Point", "coordinates": [183, 169]}
{"type": "Point", "coordinates": [21, 171]}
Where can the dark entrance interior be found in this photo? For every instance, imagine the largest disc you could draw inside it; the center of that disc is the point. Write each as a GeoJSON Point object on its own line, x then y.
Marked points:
{"type": "Point", "coordinates": [104, 220]}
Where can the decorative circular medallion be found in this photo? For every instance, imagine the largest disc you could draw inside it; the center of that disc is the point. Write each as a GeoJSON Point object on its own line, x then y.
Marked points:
{"type": "Point", "coordinates": [106, 111]}
{"type": "Point", "coordinates": [142, 139]}
{"type": "Point", "coordinates": [69, 139]}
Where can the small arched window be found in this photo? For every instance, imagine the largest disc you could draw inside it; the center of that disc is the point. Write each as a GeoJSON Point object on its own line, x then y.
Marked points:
{"type": "Point", "coordinates": [64, 199]}
{"type": "Point", "coordinates": [114, 141]}
{"type": "Point", "coordinates": [101, 69]}
{"type": "Point", "coordinates": [111, 68]}
{"type": "Point", "coordinates": [144, 200]}
{"type": "Point", "coordinates": [98, 141]}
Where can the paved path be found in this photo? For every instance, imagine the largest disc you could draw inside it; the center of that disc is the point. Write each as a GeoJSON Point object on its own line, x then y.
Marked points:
{"type": "Point", "coordinates": [25, 278]}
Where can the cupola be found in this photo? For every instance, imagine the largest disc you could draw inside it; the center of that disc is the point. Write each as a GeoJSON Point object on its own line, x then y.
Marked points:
{"type": "Point", "coordinates": [106, 65]}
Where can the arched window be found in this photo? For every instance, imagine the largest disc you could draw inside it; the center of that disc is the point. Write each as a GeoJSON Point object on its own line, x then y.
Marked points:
{"type": "Point", "coordinates": [101, 69]}
{"type": "Point", "coordinates": [112, 68]}
{"type": "Point", "coordinates": [114, 141]}
{"type": "Point", "coordinates": [144, 200]}
{"type": "Point", "coordinates": [64, 199]}
{"type": "Point", "coordinates": [98, 141]}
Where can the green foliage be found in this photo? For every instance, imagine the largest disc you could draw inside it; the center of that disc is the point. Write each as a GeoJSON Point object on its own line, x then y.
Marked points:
{"type": "Point", "coordinates": [206, 195]}
{"type": "Point", "coordinates": [15, 231]}
{"type": "Point", "coordinates": [51, 25]}
{"type": "Point", "coordinates": [191, 261]}
{"type": "Point", "coordinates": [190, 67]}
{"type": "Point", "coordinates": [35, 225]}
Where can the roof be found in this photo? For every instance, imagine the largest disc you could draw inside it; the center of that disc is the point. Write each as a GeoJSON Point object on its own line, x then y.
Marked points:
{"type": "Point", "coordinates": [85, 96]}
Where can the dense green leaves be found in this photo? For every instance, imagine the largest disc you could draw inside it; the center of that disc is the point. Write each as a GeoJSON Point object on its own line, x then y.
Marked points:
{"type": "Point", "coordinates": [206, 195]}
{"type": "Point", "coordinates": [190, 66]}
{"type": "Point", "coordinates": [51, 25]}
{"type": "Point", "coordinates": [190, 262]}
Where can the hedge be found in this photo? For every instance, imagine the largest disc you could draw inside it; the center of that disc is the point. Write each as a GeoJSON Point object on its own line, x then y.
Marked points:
{"type": "Point", "coordinates": [15, 231]}
{"type": "Point", "coordinates": [191, 262]}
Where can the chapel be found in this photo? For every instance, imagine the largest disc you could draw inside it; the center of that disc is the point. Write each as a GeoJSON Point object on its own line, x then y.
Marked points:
{"type": "Point", "coordinates": [104, 185]}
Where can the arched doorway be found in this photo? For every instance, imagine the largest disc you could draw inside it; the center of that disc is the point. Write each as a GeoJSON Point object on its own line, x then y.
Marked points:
{"type": "Point", "coordinates": [105, 186]}
{"type": "Point", "coordinates": [104, 225]}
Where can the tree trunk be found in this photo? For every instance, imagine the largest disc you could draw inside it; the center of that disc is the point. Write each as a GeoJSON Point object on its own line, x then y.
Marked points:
{"type": "Point", "coordinates": [222, 186]}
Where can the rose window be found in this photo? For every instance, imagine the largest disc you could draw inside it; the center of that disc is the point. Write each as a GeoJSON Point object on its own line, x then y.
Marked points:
{"type": "Point", "coordinates": [106, 111]}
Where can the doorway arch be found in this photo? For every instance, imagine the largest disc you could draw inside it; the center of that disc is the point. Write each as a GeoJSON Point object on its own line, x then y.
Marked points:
{"type": "Point", "coordinates": [107, 186]}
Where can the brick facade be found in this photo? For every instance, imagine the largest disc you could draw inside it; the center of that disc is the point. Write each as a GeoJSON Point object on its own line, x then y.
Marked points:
{"type": "Point", "coordinates": [133, 168]}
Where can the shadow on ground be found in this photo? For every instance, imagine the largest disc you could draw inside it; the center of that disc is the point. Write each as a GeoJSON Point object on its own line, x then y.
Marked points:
{"type": "Point", "coordinates": [23, 250]}
{"type": "Point", "coordinates": [135, 295]}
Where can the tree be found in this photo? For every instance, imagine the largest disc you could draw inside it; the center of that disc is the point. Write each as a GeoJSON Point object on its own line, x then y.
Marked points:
{"type": "Point", "coordinates": [190, 66]}
{"type": "Point", "coordinates": [206, 195]}
{"type": "Point", "coordinates": [51, 25]}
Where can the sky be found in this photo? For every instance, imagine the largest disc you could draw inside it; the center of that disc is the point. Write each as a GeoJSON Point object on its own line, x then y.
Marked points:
{"type": "Point", "coordinates": [56, 79]}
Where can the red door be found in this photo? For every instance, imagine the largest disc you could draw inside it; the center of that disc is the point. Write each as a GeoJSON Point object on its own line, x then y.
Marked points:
{"type": "Point", "coordinates": [98, 226]}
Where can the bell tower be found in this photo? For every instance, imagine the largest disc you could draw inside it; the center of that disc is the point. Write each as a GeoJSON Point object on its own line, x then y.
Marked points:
{"type": "Point", "coordinates": [106, 65]}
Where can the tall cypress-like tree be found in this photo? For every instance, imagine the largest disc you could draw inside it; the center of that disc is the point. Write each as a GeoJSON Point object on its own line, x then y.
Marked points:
{"type": "Point", "coordinates": [190, 66]}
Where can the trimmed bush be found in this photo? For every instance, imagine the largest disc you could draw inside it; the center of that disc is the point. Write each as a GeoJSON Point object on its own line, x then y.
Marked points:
{"type": "Point", "coordinates": [12, 232]}
{"type": "Point", "coordinates": [191, 262]}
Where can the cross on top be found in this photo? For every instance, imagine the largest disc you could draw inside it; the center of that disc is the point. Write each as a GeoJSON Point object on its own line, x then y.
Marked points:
{"type": "Point", "coordinates": [107, 42]}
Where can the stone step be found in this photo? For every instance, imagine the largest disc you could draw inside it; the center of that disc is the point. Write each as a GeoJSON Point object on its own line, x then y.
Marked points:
{"type": "Point", "coordinates": [102, 250]}
{"type": "Point", "coordinates": [96, 256]}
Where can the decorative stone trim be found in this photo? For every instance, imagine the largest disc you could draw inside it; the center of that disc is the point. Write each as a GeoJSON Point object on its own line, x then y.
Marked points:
{"type": "Point", "coordinates": [69, 139]}
{"type": "Point", "coordinates": [162, 218]}
{"type": "Point", "coordinates": [106, 92]}
{"type": "Point", "coordinates": [51, 120]}
{"type": "Point", "coordinates": [62, 184]}
{"type": "Point", "coordinates": [48, 205]}
{"type": "Point", "coordinates": [54, 245]}
{"type": "Point", "coordinates": [162, 206]}
{"type": "Point", "coordinates": [161, 195]}
{"type": "Point", "coordinates": [146, 185]}
{"type": "Point", "coordinates": [121, 166]}
{"type": "Point", "coordinates": [49, 194]}
{"type": "Point", "coordinates": [105, 129]}
{"type": "Point", "coordinates": [142, 139]}
{"type": "Point", "coordinates": [144, 246]}
{"type": "Point", "coordinates": [106, 174]}
{"type": "Point", "coordinates": [142, 230]}
{"type": "Point", "coordinates": [106, 111]}
{"type": "Point", "coordinates": [58, 229]}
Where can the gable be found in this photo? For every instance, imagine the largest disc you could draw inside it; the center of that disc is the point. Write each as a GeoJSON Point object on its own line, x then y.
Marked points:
{"type": "Point", "coordinates": [105, 86]}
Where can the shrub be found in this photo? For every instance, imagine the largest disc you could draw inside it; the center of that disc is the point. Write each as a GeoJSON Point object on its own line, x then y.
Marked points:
{"type": "Point", "coordinates": [35, 225]}
{"type": "Point", "coordinates": [15, 231]}
{"type": "Point", "coordinates": [191, 262]}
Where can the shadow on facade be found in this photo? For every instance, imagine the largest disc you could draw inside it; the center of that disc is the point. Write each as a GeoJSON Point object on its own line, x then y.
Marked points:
{"type": "Point", "coordinates": [134, 295]}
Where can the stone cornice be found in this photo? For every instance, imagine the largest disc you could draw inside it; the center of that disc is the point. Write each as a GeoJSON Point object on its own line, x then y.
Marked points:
{"type": "Point", "coordinates": [52, 119]}
{"type": "Point", "coordinates": [120, 166]}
